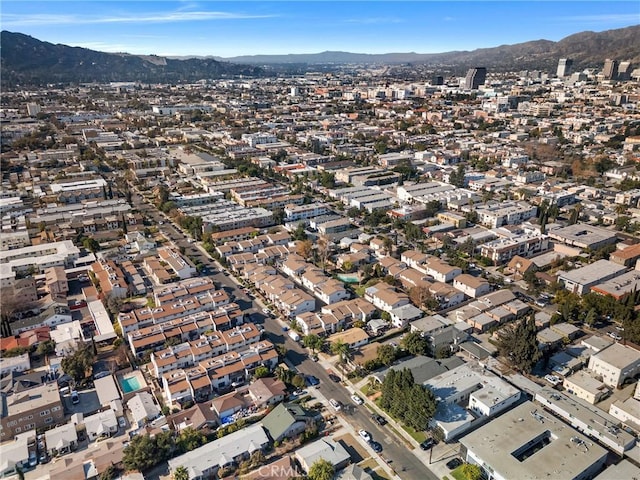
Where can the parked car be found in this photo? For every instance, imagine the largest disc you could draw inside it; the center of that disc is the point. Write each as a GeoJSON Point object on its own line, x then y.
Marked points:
{"type": "Point", "coordinates": [427, 444]}
{"type": "Point", "coordinates": [366, 436]}
{"type": "Point", "coordinates": [334, 377]}
{"type": "Point", "coordinates": [75, 398]}
{"type": "Point", "coordinates": [122, 422]}
{"type": "Point", "coordinates": [379, 419]}
{"type": "Point", "coordinates": [454, 463]}
{"type": "Point", "coordinates": [311, 380]}
{"type": "Point", "coordinates": [335, 404]}
{"type": "Point", "coordinates": [357, 400]}
{"type": "Point", "coordinates": [376, 447]}
{"type": "Point", "coordinates": [553, 379]}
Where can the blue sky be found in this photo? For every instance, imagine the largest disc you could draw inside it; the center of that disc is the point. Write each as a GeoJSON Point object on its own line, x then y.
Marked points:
{"type": "Point", "coordinates": [306, 26]}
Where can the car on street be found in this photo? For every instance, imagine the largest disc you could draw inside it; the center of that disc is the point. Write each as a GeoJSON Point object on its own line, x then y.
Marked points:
{"type": "Point", "coordinates": [334, 377]}
{"type": "Point", "coordinates": [366, 436]}
{"type": "Point", "coordinates": [376, 447]}
{"type": "Point", "coordinates": [379, 419]}
{"type": "Point", "coordinates": [454, 463]}
{"type": "Point", "coordinates": [427, 444]}
{"type": "Point", "coordinates": [335, 404]}
{"type": "Point", "coordinates": [311, 380]}
{"type": "Point", "coordinates": [357, 400]}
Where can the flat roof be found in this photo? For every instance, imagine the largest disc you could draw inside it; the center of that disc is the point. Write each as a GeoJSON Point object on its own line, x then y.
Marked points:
{"type": "Point", "coordinates": [501, 442]}
{"type": "Point", "coordinates": [593, 272]}
{"type": "Point", "coordinates": [618, 355]}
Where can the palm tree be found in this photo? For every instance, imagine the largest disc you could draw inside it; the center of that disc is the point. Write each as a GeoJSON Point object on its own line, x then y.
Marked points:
{"type": "Point", "coordinates": [181, 473]}
{"type": "Point", "coordinates": [343, 350]}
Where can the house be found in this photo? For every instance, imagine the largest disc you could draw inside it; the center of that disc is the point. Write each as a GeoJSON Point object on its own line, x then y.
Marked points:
{"type": "Point", "coordinates": [61, 440]}
{"type": "Point", "coordinates": [226, 405]}
{"type": "Point", "coordinates": [102, 424]}
{"type": "Point", "coordinates": [267, 391]}
{"type": "Point", "coordinates": [287, 420]}
{"type": "Point", "coordinates": [353, 472]}
{"type": "Point", "coordinates": [198, 417]}
{"type": "Point", "coordinates": [615, 364]}
{"type": "Point", "coordinates": [325, 448]}
{"type": "Point", "coordinates": [584, 386]}
{"type": "Point", "coordinates": [107, 390]}
{"type": "Point", "coordinates": [401, 316]}
{"type": "Point", "coordinates": [143, 409]}
{"type": "Point", "coordinates": [471, 286]}
{"type": "Point", "coordinates": [204, 462]}
{"type": "Point", "coordinates": [385, 297]}
{"type": "Point", "coordinates": [354, 337]}
{"type": "Point", "coordinates": [15, 455]}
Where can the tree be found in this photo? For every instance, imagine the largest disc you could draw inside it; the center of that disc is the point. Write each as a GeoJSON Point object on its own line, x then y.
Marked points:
{"type": "Point", "coordinates": [519, 344]}
{"type": "Point", "coordinates": [313, 341]}
{"type": "Point", "coordinates": [298, 381]}
{"type": "Point", "coordinates": [109, 473]}
{"type": "Point", "coordinates": [189, 439]}
{"type": "Point", "coordinates": [386, 354]}
{"type": "Point", "coordinates": [261, 372]}
{"type": "Point", "coordinates": [181, 473]}
{"type": "Point", "coordinates": [342, 349]}
{"type": "Point", "coordinates": [144, 452]}
{"type": "Point", "coordinates": [415, 343]}
{"type": "Point", "coordinates": [46, 348]}
{"type": "Point", "coordinates": [471, 471]}
{"type": "Point", "coordinates": [406, 400]}
{"type": "Point", "coordinates": [299, 233]}
{"type": "Point", "coordinates": [91, 244]}
{"type": "Point", "coordinates": [321, 469]}
{"type": "Point", "coordinates": [284, 374]}
{"type": "Point", "coordinates": [305, 249]}
{"type": "Point", "coordinates": [79, 363]}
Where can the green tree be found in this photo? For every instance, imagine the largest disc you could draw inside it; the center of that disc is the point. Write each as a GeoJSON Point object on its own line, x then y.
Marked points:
{"type": "Point", "coordinates": [415, 344]}
{"type": "Point", "coordinates": [284, 374]}
{"type": "Point", "coordinates": [342, 349]}
{"type": "Point", "coordinates": [471, 471]}
{"type": "Point", "coordinates": [261, 371]}
{"type": "Point", "coordinates": [91, 244]}
{"type": "Point", "coordinates": [181, 473]}
{"type": "Point", "coordinates": [298, 381]}
{"type": "Point", "coordinates": [321, 469]}
{"type": "Point", "coordinates": [109, 473]}
{"type": "Point", "coordinates": [313, 341]}
{"type": "Point", "coordinates": [46, 348]}
{"type": "Point", "coordinates": [79, 364]}
{"type": "Point", "coordinates": [519, 344]}
{"type": "Point", "coordinates": [386, 354]}
{"type": "Point", "coordinates": [189, 439]}
{"type": "Point", "coordinates": [407, 401]}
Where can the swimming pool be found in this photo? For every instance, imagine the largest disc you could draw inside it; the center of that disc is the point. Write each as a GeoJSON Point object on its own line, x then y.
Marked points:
{"type": "Point", "coordinates": [349, 278]}
{"type": "Point", "coordinates": [129, 384]}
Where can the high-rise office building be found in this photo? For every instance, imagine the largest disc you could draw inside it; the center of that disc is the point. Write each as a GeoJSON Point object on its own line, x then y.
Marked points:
{"type": "Point", "coordinates": [610, 69]}
{"type": "Point", "coordinates": [624, 71]}
{"type": "Point", "coordinates": [475, 77]}
{"type": "Point", "coordinates": [564, 67]}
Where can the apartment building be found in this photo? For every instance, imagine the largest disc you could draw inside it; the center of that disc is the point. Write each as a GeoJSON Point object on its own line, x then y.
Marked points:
{"type": "Point", "coordinates": [494, 215]}
{"type": "Point", "coordinates": [615, 364]}
{"type": "Point", "coordinates": [30, 409]}
{"type": "Point", "coordinates": [502, 250]}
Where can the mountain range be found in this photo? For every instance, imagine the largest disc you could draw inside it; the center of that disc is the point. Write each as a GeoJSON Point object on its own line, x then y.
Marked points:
{"type": "Point", "coordinates": [25, 60]}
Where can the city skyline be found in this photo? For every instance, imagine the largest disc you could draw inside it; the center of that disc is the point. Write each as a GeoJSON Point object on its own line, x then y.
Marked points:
{"type": "Point", "coordinates": [235, 28]}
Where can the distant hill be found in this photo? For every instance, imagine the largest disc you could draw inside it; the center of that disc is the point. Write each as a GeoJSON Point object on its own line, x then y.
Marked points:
{"type": "Point", "coordinates": [26, 60]}
{"type": "Point", "coordinates": [587, 49]}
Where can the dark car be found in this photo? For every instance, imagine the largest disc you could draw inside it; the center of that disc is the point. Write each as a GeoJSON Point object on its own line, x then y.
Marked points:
{"type": "Point", "coordinates": [454, 463]}
{"type": "Point", "coordinates": [334, 377]}
{"type": "Point", "coordinates": [376, 447]}
{"type": "Point", "coordinates": [427, 444]}
{"type": "Point", "coordinates": [311, 380]}
{"type": "Point", "coordinates": [379, 419]}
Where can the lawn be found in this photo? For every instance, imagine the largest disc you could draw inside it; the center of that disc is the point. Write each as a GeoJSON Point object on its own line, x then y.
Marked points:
{"type": "Point", "coordinates": [417, 436]}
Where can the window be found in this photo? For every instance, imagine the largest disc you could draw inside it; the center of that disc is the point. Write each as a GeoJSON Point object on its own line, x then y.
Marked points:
{"type": "Point", "coordinates": [55, 409]}
{"type": "Point", "coordinates": [18, 430]}
{"type": "Point", "coordinates": [48, 420]}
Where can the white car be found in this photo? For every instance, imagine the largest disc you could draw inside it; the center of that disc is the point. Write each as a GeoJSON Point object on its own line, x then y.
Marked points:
{"type": "Point", "coordinates": [335, 404]}
{"type": "Point", "coordinates": [357, 400]}
{"type": "Point", "coordinates": [553, 379]}
{"type": "Point", "coordinates": [122, 422]}
{"type": "Point", "coordinates": [266, 311]}
{"type": "Point", "coordinates": [366, 436]}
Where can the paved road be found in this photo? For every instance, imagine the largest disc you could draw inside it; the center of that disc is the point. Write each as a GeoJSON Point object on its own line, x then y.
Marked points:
{"type": "Point", "coordinates": [395, 450]}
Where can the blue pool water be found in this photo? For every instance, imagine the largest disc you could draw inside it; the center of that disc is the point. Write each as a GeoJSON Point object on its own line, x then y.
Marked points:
{"type": "Point", "coordinates": [130, 384]}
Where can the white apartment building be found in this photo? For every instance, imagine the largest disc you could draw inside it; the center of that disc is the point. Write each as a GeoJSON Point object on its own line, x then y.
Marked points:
{"type": "Point", "coordinates": [615, 364]}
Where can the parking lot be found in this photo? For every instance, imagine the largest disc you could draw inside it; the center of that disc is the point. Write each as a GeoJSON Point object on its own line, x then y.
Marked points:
{"type": "Point", "coordinates": [88, 404]}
